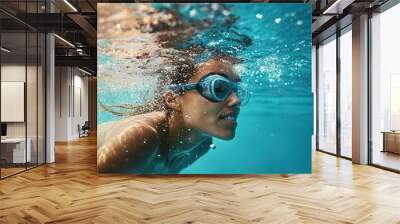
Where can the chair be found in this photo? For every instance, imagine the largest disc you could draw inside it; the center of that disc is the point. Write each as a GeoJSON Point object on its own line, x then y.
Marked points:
{"type": "Point", "coordinates": [84, 130]}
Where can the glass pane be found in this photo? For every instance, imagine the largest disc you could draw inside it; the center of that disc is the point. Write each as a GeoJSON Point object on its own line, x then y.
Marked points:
{"type": "Point", "coordinates": [13, 87]}
{"type": "Point", "coordinates": [346, 94]}
{"type": "Point", "coordinates": [314, 82]}
{"type": "Point", "coordinates": [41, 99]}
{"type": "Point", "coordinates": [327, 96]}
{"type": "Point", "coordinates": [22, 78]}
{"type": "Point", "coordinates": [386, 89]}
{"type": "Point", "coordinates": [31, 98]}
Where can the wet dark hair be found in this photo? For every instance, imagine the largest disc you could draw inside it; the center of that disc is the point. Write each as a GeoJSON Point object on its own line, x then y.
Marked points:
{"type": "Point", "coordinates": [179, 68]}
{"type": "Point", "coordinates": [180, 49]}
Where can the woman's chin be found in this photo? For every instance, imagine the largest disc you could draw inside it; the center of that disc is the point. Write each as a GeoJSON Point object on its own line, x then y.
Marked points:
{"type": "Point", "coordinates": [224, 133]}
{"type": "Point", "coordinates": [226, 136]}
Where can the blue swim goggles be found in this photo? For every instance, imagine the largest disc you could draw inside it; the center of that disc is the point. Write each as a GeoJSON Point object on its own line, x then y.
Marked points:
{"type": "Point", "coordinates": [215, 87]}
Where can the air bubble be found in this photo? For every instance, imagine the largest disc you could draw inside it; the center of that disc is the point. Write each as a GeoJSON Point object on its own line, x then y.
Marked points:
{"type": "Point", "coordinates": [226, 12]}
{"type": "Point", "coordinates": [192, 13]}
{"type": "Point", "coordinates": [214, 6]}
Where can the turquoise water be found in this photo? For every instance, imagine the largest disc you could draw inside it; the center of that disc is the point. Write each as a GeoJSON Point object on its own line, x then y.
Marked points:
{"type": "Point", "coordinates": [274, 129]}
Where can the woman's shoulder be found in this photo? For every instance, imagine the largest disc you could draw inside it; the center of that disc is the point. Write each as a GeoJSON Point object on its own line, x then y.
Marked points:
{"type": "Point", "coordinates": [143, 125]}
{"type": "Point", "coordinates": [129, 143]}
{"type": "Point", "coordinates": [151, 118]}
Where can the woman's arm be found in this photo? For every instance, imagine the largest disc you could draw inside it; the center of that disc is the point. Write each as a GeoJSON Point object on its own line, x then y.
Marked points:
{"type": "Point", "coordinates": [128, 144]}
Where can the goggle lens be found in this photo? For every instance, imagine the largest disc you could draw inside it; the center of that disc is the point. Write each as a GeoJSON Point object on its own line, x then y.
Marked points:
{"type": "Point", "coordinates": [222, 89]}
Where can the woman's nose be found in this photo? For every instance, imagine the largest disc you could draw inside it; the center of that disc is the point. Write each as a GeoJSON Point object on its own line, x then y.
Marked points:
{"type": "Point", "coordinates": [233, 99]}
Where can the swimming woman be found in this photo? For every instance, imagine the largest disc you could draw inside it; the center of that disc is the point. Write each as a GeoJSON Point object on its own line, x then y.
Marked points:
{"type": "Point", "coordinates": [197, 103]}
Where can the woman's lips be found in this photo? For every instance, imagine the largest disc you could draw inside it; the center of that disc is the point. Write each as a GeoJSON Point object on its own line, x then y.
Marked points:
{"type": "Point", "coordinates": [229, 121]}
{"type": "Point", "coordinates": [229, 117]}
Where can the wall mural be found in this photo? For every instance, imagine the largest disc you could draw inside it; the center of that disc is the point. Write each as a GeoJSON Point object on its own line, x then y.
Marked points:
{"type": "Point", "coordinates": [204, 88]}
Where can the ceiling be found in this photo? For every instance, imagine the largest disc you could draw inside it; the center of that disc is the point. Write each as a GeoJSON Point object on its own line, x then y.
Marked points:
{"type": "Point", "coordinates": [76, 22]}
{"type": "Point", "coordinates": [331, 15]}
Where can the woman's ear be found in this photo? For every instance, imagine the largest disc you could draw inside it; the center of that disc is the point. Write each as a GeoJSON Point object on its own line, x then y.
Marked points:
{"type": "Point", "coordinates": [171, 101]}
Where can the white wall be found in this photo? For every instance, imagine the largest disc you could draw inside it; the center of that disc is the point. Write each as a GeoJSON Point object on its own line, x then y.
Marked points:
{"type": "Point", "coordinates": [81, 89]}
{"type": "Point", "coordinates": [71, 93]}
{"type": "Point", "coordinates": [62, 81]}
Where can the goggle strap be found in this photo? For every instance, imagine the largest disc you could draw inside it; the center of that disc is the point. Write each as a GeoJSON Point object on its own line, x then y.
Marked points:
{"type": "Point", "coordinates": [189, 86]}
{"type": "Point", "coordinates": [182, 86]}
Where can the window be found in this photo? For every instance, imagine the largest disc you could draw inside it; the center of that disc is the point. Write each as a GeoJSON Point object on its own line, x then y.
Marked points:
{"type": "Point", "coordinates": [385, 88]}
{"type": "Point", "coordinates": [327, 95]}
{"type": "Point", "coordinates": [346, 92]}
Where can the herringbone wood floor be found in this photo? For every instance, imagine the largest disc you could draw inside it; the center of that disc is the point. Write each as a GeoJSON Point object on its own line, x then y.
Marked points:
{"type": "Point", "coordinates": [71, 191]}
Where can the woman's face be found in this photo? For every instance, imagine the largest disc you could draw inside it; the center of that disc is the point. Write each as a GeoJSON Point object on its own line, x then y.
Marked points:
{"type": "Point", "coordinates": [213, 119]}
